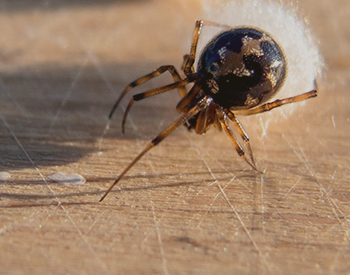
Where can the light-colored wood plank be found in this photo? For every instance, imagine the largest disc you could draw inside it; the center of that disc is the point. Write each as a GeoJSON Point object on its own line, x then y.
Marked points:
{"type": "Point", "coordinates": [62, 67]}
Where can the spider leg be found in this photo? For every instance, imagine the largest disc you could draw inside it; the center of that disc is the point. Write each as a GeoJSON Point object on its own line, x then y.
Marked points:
{"type": "Point", "coordinates": [189, 59]}
{"type": "Point", "coordinates": [206, 118]}
{"type": "Point", "coordinates": [277, 103]}
{"type": "Point", "coordinates": [137, 97]}
{"type": "Point", "coordinates": [201, 105]}
{"type": "Point", "coordinates": [184, 105]}
{"type": "Point", "coordinates": [171, 69]}
{"type": "Point", "coordinates": [222, 117]}
{"type": "Point", "coordinates": [184, 62]}
{"type": "Point", "coordinates": [242, 133]}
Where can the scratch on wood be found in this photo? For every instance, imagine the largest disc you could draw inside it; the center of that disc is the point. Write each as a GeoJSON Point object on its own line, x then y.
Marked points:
{"type": "Point", "coordinates": [236, 213]}
{"type": "Point", "coordinates": [164, 261]}
{"type": "Point", "coordinates": [290, 190]}
{"type": "Point", "coordinates": [333, 121]}
{"type": "Point", "coordinates": [68, 94]}
{"type": "Point", "coordinates": [262, 203]}
{"type": "Point", "coordinates": [211, 204]}
{"type": "Point", "coordinates": [323, 191]}
{"type": "Point", "coordinates": [245, 229]}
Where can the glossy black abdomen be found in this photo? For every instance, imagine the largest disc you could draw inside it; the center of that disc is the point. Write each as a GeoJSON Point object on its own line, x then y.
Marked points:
{"type": "Point", "coordinates": [242, 68]}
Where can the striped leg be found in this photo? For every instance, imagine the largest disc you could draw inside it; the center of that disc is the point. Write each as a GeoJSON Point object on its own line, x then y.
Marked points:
{"type": "Point", "coordinates": [242, 133]}
{"type": "Point", "coordinates": [171, 69]}
{"type": "Point", "coordinates": [277, 103]}
{"type": "Point", "coordinates": [224, 124]}
{"type": "Point", "coordinates": [201, 105]}
{"type": "Point", "coordinates": [137, 97]}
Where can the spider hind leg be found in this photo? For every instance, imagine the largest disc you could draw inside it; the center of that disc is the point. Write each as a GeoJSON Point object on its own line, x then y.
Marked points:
{"type": "Point", "coordinates": [277, 103]}
{"type": "Point", "coordinates": [222, 118]}
{"type": "Point", "coordinates": [242, 133]}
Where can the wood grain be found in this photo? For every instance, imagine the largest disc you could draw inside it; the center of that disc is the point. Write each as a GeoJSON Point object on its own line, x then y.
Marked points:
{"type": "Point", "coordinates": [191, 205]}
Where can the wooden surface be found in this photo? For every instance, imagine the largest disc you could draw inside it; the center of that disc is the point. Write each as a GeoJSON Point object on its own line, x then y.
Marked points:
{"type": "Point", "coordinates": [191, 206]}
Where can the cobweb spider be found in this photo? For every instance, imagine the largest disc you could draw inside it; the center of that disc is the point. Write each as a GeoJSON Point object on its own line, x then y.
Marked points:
{"type": "Point", "coordinates": [237, 73]}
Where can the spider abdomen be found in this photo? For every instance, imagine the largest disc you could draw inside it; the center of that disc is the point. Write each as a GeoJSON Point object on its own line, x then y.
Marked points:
{"type": "Point", "coordinates": [242, 68]}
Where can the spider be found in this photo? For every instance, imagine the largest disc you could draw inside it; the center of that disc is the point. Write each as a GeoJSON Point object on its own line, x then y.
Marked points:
{"type": "Point", "coordinates": [238, 71]}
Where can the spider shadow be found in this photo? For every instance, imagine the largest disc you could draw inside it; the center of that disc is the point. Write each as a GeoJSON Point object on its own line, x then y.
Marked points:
{"type": "Point", "coordinates": [38, 197]}
{"type": "Point", "coordinates": [43, 117]}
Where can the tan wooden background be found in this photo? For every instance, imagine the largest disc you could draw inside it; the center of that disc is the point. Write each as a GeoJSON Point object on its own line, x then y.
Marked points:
{"type": "Point", "coordinates": [63, 64]}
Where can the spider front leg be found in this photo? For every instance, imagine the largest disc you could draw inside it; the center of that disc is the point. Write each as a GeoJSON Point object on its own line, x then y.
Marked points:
{"type": "Point", "coordinates": [137, 97]}
{"type": "Point", "coordinates": [189, 59]}
{"type": "Point", "coordinates": [201, 105]}
{"type": "Point", "coordinates": [183, 65]}
{"type": "Point", "coordinates": [171, 69]}
{"type": "Point", "coordinates": [223, 121]}
{"type": "Point", "coordinates": [277, 103]}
